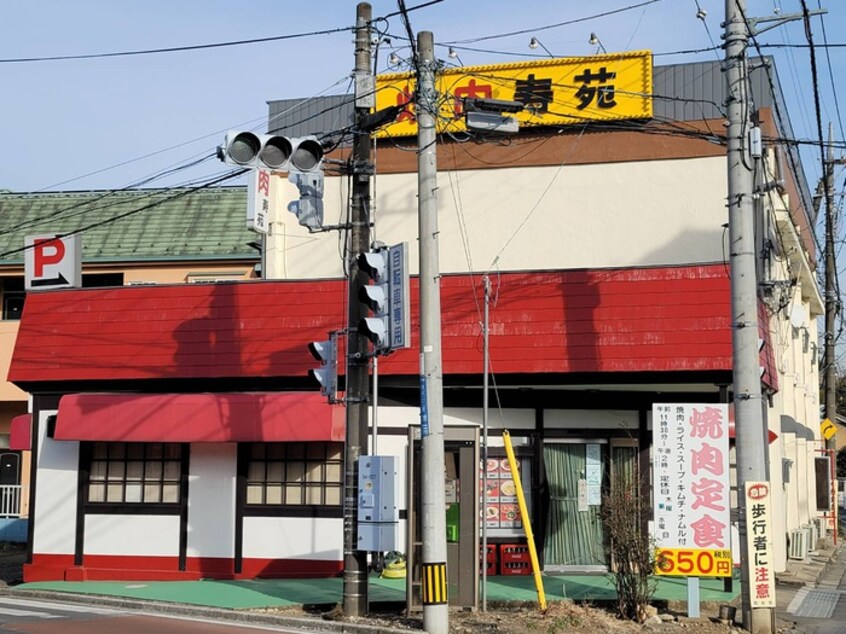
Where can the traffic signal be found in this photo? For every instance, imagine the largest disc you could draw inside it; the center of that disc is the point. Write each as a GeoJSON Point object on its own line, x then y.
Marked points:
{"type": "Point", "coordinates": [327, 374]}
{"type": "Point", "coordinates": [242, 148]}
{"type": "Point", "coordinates": [387, 297]}
{"type": "Point", "coordinates": [309, 208]}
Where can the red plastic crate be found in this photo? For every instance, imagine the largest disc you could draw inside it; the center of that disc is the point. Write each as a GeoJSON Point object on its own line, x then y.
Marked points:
{"type": "Point", "coordinates": [492, 571]}
{"type": "Point", "coordinates": [514, 553]}
{"type": "Point", "coordinates": [491, 553]}
{"type": "Point", "coordinates": [514, 568]}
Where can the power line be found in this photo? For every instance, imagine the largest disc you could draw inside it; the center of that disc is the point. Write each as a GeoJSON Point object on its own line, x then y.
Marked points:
{"type": "Point", "coordinates": [552, 26]}
{"type": "Point", "coordinates": [172, 49]}
{"type": "Point", "coordinates": [831, 74]}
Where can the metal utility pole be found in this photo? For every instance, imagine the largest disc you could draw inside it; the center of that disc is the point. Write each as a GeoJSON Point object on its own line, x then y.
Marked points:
{"type": "Point", "coordinates": [357, 388]}
{"type": "Point", "coordinates": [486, 362]}
{"type": "Point", "coordinates": [433, 512]}
{"type": "Point", "coordinates": [751, 432]}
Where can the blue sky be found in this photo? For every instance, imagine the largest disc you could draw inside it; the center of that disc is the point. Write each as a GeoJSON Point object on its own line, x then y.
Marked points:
{"type": "Point", "coordinates": [65, 119]}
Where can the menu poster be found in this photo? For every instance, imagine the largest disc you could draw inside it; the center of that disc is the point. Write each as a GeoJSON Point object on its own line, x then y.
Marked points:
{"type": "Point", "coordinates": [499, 502]}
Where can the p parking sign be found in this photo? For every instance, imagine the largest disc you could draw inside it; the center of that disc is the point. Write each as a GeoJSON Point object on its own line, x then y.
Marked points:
{"type": "Point", "coordinates": [52, 261]}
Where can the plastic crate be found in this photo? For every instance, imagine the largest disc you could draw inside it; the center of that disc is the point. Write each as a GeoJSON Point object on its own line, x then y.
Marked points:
{"type": "Point", "coordinates": [515, 568]}
{"type": "Point", "coordinates": [491, 560]}
{"type": "Point", "coordinates": [514, 553]}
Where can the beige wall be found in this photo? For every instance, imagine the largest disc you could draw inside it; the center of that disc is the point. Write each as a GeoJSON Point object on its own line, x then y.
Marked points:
{"type": "Point", "coordinates": [8, 392]}
{"type": "Point", "coordinates": [528, 218]}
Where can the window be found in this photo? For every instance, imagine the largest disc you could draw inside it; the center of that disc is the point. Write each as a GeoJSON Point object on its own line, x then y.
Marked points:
{"type": "Point", "coordinates": [135, 473]}
{"type": "Point", "coordinates": [99, 280]}
{"type": "Point", "coordinates": [295, 474]}
{"type": "Point", "coordinates": [13, 298]}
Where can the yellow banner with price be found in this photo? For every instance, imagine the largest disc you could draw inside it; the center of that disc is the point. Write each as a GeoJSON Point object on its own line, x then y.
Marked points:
{"type": "Point", "coordinates": [693, 562]}
{"type": "Point", "coordinates": [556, 91]}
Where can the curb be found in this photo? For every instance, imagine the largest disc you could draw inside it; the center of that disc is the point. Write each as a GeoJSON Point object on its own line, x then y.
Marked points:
{"type": "Point", "coordinates": [316, 624]}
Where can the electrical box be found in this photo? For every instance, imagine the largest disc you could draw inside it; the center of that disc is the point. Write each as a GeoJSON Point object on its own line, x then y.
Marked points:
{"type": "Point", "coordinates": [378, 515]}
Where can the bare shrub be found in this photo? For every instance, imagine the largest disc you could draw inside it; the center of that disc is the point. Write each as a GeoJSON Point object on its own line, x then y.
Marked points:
{"type": "Point", "coordinates": [632, 550]}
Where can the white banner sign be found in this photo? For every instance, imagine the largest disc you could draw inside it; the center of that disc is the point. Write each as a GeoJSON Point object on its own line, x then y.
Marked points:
{"type": "Point", "coordinates": [759, 544]}
{"type": "Point", "coordinates": [691, 476]}
{"type": "Point", "coordinates": [258, 201]}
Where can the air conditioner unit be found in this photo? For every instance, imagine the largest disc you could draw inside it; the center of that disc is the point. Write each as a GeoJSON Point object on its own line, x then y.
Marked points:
{"type": "Point", "coordinates": [798, 544]}
{"type": "Point", "coordinates": [811, 531]}
{"type": "Point", "coordinates": [822, 527]}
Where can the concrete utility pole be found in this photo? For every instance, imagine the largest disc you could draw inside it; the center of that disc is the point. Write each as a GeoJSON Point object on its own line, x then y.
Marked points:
{"type": "Point", "coordinates": [751, 432]}
{"type": "Point", "coordinates": [433, 514]}
{"type": "Point", "coordinates": [357, 388]}
{"type": "Point", "coordinates": [831, 300]}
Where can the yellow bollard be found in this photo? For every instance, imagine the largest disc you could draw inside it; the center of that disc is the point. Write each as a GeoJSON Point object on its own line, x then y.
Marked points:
{"type": "Point", "coordinates": [527, 524]}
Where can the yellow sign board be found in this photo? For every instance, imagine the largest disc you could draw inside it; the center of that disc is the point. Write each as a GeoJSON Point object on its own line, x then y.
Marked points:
{"type": "Point", "coordinates": [558, 91]}
{"type": "Point", "coordinates": [827, 429]}
{"type": "Point", "coordinates": [692, 562]}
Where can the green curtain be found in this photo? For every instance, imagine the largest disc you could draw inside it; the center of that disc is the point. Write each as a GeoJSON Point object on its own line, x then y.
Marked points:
{"type": "Point", "coordinates": [573, 537]}
{"type": "Point", "coordinates": [624, 467]}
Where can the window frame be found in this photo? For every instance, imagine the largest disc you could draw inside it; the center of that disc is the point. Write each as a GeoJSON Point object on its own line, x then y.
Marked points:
{"type": "Point", "coordinates": [246, 457]}
{"type": "Point", "coordinates": [87, 459]}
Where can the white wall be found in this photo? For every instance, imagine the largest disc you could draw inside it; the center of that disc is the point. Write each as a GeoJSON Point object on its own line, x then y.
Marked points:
{"type": "Point", "coordinates": [211, 500]}
{"type": "Point", "coordinates": [526, 218]}
{"type": "Point", "coordinates": [590, 419]}
{"type": "Point", "coordinates": [294, 538]}
{"type": "Point", "coordinates": [55, 494]}
{"type": "Point", "coordinates": [132, 535]}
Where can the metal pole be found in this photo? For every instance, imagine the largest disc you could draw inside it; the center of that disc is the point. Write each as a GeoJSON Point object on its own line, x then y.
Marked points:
{"type": "Point", "coordinates": [355, 560]}
{"type": "Point", "coordinates": [374, 447]}
{"type": "Point", "coordinates": [486, 282]}
{"type": "Point", "coordinates": [751, 433]}
{"type": "Point", "coordinates": [433, 514]}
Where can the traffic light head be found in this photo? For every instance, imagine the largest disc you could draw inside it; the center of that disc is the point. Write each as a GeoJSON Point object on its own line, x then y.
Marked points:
{"type": "Point", "coordinates": [243, 148]}
{"type": "Point", "coordinates": [386, 297]}
{"type": "Point", "coordinates": [327, 374]}
{"type": "Point", "coordinates": [374, 264]}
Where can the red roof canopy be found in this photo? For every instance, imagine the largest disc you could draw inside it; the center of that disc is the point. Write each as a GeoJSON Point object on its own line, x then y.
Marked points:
{"type": "Point", "coordinates": [615, 320]}
{"type": "Point", "coordinates": [245, 417]}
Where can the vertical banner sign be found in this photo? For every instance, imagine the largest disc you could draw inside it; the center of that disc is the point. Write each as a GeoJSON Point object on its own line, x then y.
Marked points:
{"type": "Point", "coordinates": [424, 400]}
{"type": "Point", "coordinates": [399, 321]}
{"type": "Point", "coordinates": [52, 261]}
{"type": "Point", "coordinates": [258, 201]}
{"type": "Point", "coordinates": [691, 474]}
{"type": "Point", "coordinates": [760, 544]}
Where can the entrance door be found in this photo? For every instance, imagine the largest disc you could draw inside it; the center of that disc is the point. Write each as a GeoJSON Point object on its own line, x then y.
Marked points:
{"type": "Point", "coordinates": [574, 535]}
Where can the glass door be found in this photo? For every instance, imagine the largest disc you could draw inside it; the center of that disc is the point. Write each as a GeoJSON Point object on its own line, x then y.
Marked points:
{"type": "Point", "coordinates": [574, 535]}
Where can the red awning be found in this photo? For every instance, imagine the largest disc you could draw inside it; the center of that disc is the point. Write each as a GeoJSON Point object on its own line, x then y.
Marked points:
{"type": "Point", "coordinates": [20, 433]}
{"type": "Point", "coordinates": [249, 417]}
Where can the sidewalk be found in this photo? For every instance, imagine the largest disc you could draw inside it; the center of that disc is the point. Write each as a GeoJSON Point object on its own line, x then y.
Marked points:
{"type": "Point", "coordinates": [276, 593]}
{"type": "Point", "coordinates": [289, 601]}
{"type": "Point", "coordinates": [808, 591]}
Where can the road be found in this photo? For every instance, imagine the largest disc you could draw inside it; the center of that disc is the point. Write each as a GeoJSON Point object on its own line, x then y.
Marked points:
{"type": "Point", "coordinates": [47, 617]}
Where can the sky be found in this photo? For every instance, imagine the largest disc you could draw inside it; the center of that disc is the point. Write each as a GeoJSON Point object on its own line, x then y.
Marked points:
{"type": "Point", "coordinates": [112, 122]}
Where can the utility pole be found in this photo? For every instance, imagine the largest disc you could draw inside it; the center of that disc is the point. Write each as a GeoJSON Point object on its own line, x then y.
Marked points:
{"type": "Point", "coordinates": [751, 432]}
{"type": "Point", "coordinates": [357, 388]}
{"type": "Point", "coordinates": [832, 303]}
{"type": "Point", "coordinates": [433, 512]}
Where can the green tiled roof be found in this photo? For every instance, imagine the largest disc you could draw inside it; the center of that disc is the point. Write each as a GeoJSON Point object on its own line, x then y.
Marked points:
{"type": "Point", "coordinates": [170, 224]}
